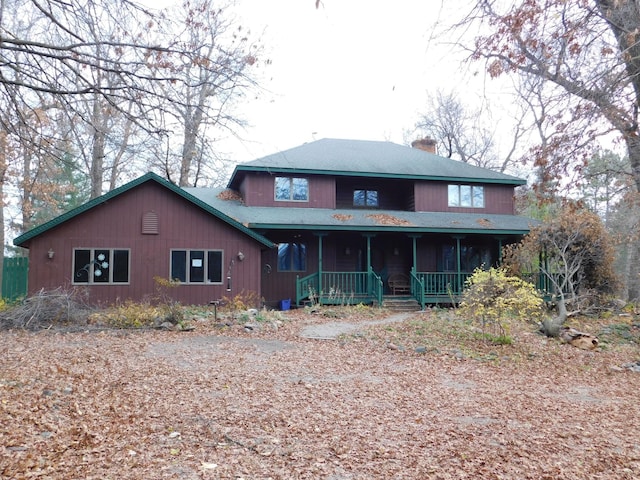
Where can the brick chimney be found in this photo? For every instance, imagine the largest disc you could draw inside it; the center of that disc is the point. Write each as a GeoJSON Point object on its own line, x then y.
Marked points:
{"type": "Point", "coordinates": [427, 144]}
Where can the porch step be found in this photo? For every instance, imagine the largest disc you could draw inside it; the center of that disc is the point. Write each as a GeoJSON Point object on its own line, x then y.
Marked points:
{"type": "Point", "coordinates": [401, 304]}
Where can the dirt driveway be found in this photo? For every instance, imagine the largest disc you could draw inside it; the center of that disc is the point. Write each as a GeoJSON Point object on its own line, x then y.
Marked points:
{"type": "Point", "coordinates": [273, 404]}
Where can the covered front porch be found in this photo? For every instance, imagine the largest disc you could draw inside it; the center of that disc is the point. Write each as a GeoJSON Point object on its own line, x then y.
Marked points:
{"type": "Point", "coordinates": [383, 259]}
{"type": "Point", "coordinates": [350, 288]}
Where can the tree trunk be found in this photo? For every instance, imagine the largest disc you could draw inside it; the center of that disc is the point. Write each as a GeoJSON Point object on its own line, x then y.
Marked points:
{"type": "Point", "coordinates": [633, 285]}
{"type": "Point", "coordinates": [623, 18]}
{"type": "Point", "coordinates": [192, 123]}
{"type": "Point", "coordinates": [551, 326]}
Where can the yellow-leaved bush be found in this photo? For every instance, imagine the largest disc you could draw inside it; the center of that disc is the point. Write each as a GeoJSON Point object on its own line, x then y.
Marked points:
{"type": "Point", "coordinates": [492, 297]}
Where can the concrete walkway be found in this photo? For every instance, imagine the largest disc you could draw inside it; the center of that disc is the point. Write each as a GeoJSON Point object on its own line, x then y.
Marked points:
{"type": "Point", "coordinates": [331, 331]}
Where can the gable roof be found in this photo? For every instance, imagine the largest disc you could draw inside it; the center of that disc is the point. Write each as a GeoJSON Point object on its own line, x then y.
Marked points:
{"type": "Point", "coordinates": [369, 159]}
{"type": "Point", "coordinates": [363, 220]}
{"type": "Point", "coordinates": [149, 177]}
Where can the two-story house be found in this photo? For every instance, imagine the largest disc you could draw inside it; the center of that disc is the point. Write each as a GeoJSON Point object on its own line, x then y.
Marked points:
{"type": "Point", "coordinates": [342, 221]}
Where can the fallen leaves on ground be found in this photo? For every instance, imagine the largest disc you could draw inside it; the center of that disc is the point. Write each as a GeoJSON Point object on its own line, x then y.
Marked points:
{"type": "Point", "coordinates": [224, 403]}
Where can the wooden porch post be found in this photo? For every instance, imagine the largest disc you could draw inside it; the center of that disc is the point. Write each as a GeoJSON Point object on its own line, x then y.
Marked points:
{"type": "Point", "coordinates": [320, 235]}
{"type": "Point", "coordinates": [458, 262]}
{"type": "Point", "coordinates": [500, 250]}
{"type": "Point", "coordinates": [414, 264]}
{"type": "Point", "coordinates": [368, 236]}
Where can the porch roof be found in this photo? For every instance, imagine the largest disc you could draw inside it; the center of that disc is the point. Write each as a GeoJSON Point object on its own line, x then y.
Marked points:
{"type": "Point", "coordinates": [325, 219]}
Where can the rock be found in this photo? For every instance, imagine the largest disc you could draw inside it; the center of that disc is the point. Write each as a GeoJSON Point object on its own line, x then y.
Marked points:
{"type": "Point", "coordinates": [166, 326]}
{"type": "Point", "coordinates": [633, 366]}
{"type": "Point", "coordinates": [584, 341]}
{"type": "Point", "coordinates": [421, 350]}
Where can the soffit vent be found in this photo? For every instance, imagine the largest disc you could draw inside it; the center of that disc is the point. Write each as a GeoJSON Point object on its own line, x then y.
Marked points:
{"type": "Point", "coordinates": [150, 223]}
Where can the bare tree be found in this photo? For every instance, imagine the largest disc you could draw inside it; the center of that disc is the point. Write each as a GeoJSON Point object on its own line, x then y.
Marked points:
{"type": "Point", "coordinates": [214, 68]}
{"type": "Point", "coordinates": [458, 129]}
{"type": "Point", "coordinates": [467, 133]}
{"type": "Point", "coordinates": [573, 253]}
{"type": "Point", "coordinates": [586, 53]}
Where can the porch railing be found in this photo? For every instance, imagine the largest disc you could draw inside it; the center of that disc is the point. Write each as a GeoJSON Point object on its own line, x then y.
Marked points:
{"type": "Point", "coordinates": [544, 284]}
{"type": "Point", "coordinates": [417, 289]}
{"type": "Point", "coordinates": [346, 288]}
{"type": "Point", "coordinates": [443, 283]}
{"type": "Point", "coordinates": [355, 287]}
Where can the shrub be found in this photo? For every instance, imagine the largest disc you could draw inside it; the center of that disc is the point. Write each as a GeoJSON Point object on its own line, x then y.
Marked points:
{"type": "Point", "coordinates": [491, 297]}
{"type": "Point", "coordinates": [129, 315]}
{"type": "Point", "coordinates": [240, 302]}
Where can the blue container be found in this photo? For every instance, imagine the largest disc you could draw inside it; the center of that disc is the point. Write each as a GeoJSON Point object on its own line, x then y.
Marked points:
{"type": "Point", "coordinates": [285, 304]}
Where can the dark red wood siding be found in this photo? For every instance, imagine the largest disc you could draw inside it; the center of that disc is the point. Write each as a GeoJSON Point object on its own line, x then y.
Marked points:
{"type": "Point", "coordinates": [257, 190]}
{"type": "Point", "coordinates": [433, 197]}
{"type": "Point", "coordinates": [118, 224]}
{"type": "Point", "coordinates": [392, 194]}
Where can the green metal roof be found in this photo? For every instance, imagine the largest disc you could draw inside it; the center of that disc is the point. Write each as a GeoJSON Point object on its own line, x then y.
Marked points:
{"type": "Point", "coordinates": [25, 237]}
{"type": "Point", "coordinates": [325, 219]}
{"type": "Point", "coordinates": [369, 159]}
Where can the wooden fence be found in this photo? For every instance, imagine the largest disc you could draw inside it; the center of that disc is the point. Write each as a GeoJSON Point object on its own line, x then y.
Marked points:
{"type": "Point", "coordinates": [14, 277]}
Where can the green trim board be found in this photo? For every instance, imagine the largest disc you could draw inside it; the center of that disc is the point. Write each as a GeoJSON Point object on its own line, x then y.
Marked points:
{"type": "Point", "coordinates": [40, 229]}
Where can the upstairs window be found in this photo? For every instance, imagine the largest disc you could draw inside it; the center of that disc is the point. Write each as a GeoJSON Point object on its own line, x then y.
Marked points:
{"type": "Point", "coordinates": [294, 189]}
{"type": "Point", "coordinates": [365, 198]}
{"type": "Point", "coordinates": [466, 196]}
{"type": "Point", "coordinates": [100, 266]}
{"type": "Point", "coordinates": [292, 257]}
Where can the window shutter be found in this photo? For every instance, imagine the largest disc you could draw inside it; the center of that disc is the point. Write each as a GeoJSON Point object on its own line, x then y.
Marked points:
{"type": "Point", "coordinates": [150, 223]}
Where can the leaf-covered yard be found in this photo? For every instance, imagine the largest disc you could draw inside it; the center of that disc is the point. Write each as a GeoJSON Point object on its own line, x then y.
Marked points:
{"type": "Point", "coordinates": [231, 403]}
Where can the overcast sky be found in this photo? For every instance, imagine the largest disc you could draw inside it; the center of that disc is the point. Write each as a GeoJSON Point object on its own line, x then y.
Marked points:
{"type": "Point", "coordinates": [359, 69]}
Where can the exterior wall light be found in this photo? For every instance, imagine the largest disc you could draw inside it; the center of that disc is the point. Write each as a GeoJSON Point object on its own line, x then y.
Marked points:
{"type": "Point", "coordinates": [50, 253]}
{"type": "Point", "coordinates": [240, 256]}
